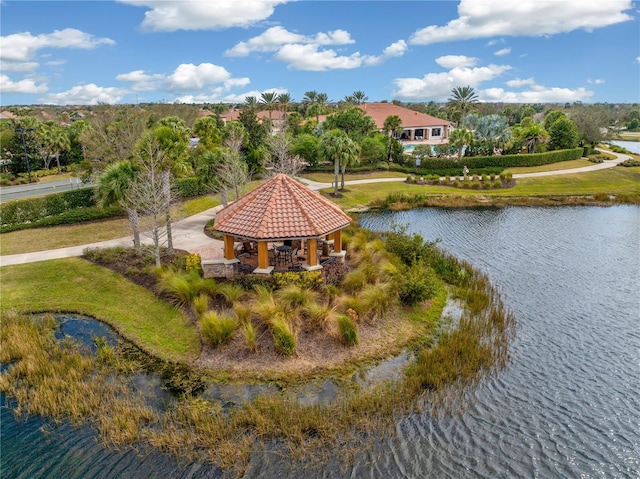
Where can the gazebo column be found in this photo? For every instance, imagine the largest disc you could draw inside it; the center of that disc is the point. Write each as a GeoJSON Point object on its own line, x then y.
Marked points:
{"type": "Point", "coordinates": [337, 244]}
{"type": "Point", "coordinates": [229, 253]}
{"type": "Point", "coordinates": [263, 258]}
{"type": "Point", "coordinates": [312, 255]}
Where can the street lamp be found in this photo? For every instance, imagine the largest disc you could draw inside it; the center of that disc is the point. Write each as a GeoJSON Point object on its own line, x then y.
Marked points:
{"type": "Point", "coordinates": [24, 147]}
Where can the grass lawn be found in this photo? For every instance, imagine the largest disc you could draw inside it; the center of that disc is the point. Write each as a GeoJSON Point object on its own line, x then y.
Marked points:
{"type": "Point", "coordinates": [53, 237]}
{"type": "Point", "coordinates": [63, 236]}
{"type": "Point", "coordinates": [329, 177]}
{"type": "Point", "coordinates": [614, 181]}
{"type": "Point", "coordinates": [563, 165]}
{"type": "Point", "coordinates": [75, 285]}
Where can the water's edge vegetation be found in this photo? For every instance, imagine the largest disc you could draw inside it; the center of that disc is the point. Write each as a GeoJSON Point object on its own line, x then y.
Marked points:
{"type": "Point", "coordinates": [62, 381]}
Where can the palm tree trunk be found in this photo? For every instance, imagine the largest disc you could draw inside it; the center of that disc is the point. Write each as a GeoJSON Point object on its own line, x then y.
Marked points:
{"type": "Point", "coordinates": [336, 170]}
{"type": "Point", "coordinates": [344, 167]}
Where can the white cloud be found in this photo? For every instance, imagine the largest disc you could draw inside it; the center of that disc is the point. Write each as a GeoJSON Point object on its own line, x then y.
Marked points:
{"type": "Point", "coordinates": [90, 94]}
{"type": "Point", "coordinates": [456, 61]}
{"type": "Point", "coordinates": [597, 81]}
{"type": "Point", "coordinates": [194, 77]}
{"type": "Point", "coordinates": [56, 63]}
{"type": "Point", "coordinates": [142, 81]}
{"type": "Point", "coordinates": [172, 15]}
{"type": "Point", "coordinates": [21, 47]}
{"type": "Point", "coordinates": [491, 18]}
{"type": "Point", "coordinates": [438, 86]}
{"type": "Point", "coordinates": [304, 52]}
{"type": "Point", "coordinates": [309, 58]}
{"type": "Point", "coordinates": [22, 67]}
{"type": "Point", "coordinates": [539, 94]}
{"type": "Point", "coordinates": [518, 82]}
{"type": "Point", "coordinates": [23, 86]}
{"type": "Point", "coordinates": [637, 59]}
{"type": "Point", "coordinates": [504, 51]}
{"type": "Point", "coordinates": [274, 38]}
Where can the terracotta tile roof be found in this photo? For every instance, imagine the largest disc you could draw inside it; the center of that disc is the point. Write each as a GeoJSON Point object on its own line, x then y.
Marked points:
{"type": "Point", "coordinates": [410, 119]}
{"type": "Point", "coordinates": [281, 208]}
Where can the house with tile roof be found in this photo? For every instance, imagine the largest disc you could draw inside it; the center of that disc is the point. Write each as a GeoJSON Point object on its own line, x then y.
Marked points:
{"type": "Point", "coordinates": [416, 126]}
{"type": "Point", "coordinates": [281, 210]}
{"type": "Point", "coordinates": [277, 118]}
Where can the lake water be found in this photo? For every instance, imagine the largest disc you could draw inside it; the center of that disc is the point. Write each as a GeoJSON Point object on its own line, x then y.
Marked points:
{"type": "Point", "coordinates": [567, 406]}
{"type": "Point", "coordinates": [633, 146]}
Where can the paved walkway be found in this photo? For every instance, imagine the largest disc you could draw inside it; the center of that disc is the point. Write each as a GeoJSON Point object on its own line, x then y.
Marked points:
{"type": "Point", "coordinates": [188, 234]}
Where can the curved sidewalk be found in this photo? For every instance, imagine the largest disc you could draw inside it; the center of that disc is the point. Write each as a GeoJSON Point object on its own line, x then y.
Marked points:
{"type": "Point", "coordinates": [188, 233]}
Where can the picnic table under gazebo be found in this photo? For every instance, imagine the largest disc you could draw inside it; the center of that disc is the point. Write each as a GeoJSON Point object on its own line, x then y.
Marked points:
{"type": "Point", "coordinates": [280, 213]}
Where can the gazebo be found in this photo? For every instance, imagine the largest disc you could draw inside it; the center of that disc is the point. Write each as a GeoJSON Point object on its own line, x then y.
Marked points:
{"type": "Point", "coordinates": [281, 210]}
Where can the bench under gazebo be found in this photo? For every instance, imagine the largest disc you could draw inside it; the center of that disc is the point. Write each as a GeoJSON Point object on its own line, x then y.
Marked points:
{"type": "Point", "coordinates": [281, 210]}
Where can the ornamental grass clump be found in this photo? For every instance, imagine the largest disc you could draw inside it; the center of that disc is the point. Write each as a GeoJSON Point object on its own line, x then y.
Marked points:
{"type": "Point", "coordinates": [377, 300]}
{"type": "Point", "coordinates": [294, 297]}
{"type": "Point", "coordinates": [249, 335]}
{"type": "Point", "coordinates": [217, 328]}
{"type": "Point", "coordinates": [182, 288]}
{"type": "Point", "coordinates": [284, 335]}
{"type": "Point", "coordinates": [348, 330]}
{"type": "Point", "coordinates": [316, 316]}
{"type": "Point", "coordinates": [231, 292]}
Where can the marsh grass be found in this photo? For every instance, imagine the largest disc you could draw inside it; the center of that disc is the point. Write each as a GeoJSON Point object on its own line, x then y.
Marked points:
{"type": "Point", "coordinates": [348, 330]}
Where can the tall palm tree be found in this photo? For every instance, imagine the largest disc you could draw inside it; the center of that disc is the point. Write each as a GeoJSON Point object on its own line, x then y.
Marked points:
{"type": "Point", "coordinates": [270, 100]}
{"type": "Point", "coordinates": [56, 141]}
{"type": "Point", "coordinates": [359, 97]}
{"type": "Point", "coordinates": [284, 99]}
{"type": "Point", "coordinates": [461, 98]}
{"type": "Point", "coordinates": [336, 146]}
{"type": "Point", "coordinates": [392, 124]}
{"type": "Point", "coordinates": [113, 185]}
{"type": "Point", "coordinates": [251, 102]}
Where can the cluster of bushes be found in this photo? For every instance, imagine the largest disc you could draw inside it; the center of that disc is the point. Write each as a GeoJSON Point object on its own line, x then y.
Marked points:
{"type": "Point", "coordinates": [630, 162]}
{"type": "Point", "coordinates": [188, 187]}
{"type": "Point", "coordinates": [60, 208]}
{"type": "Point", "coordinates": [475, 182]}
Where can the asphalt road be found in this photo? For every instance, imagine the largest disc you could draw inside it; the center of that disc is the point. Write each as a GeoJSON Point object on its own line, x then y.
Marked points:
{"type": "Point", "coordinates": [8, 193]}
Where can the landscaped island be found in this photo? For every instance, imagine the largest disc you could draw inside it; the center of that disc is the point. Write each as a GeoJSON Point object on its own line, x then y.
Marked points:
{"type": "Point", "coordinates": [287, 329]}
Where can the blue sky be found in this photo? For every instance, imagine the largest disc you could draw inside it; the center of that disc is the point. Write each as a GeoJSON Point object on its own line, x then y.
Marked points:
{"type": "Point", "coordinates": [128, 51]}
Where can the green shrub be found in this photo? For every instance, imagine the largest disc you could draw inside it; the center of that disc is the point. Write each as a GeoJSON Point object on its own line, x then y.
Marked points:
{"type": "Point", "coordinates": [302, 279]}
{"type": "Point", "coordinates": [348, 331]}
{"type": "Point", "coordinates": [188, 187]}
{"type": "Point", "coordinates": [416, 283]}
{"type": "Point", "coordinates": [497, 184]}
{"type": "Point", "coordinates": [284, 337]}
{"type": "Point", "coordinates": [217, 328]}
{"type": "Point", "coordinates": [628, 163]}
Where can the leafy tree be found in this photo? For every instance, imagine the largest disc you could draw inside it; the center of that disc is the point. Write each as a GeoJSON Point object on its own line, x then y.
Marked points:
{"type": "Point", "coordinates": [591, 123]}
{"type": "Point", "coordinates": [353, 121]}
{"type": "Point", "coordinates": [336, 146]}
{"type": "Point", "coordinates": [374, 149]}
{"type": "Point", "coordinates": [563, 133]}
{"type": "Point", "coordinates": [306, 146]}
{"type": "Point", "coordinates": [551, 116]}
{"type": "Point", "coordinates": [461, 137]}
{"type": "Point", "coordinates": [113, 185]}
{"type": "Point", "coordinates": [462, 98]}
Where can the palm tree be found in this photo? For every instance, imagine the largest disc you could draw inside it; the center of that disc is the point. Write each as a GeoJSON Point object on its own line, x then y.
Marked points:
{"type": "Point", "coordinates": [461, 137]}
{"type": "Point", "coordinates": [322, 99]}
{"type": "Point", "coordinates": [359, 97]}
{"type": "Point", "coordinates": [113, 185]}
{"type": "Point", "coordinates": [492, 131]}
{"type": "Point", "coordinates": [336, 146]}
{"type": "Point", "coordinates": [55, 141]}
{"type": "Point", "coordinates": [532, 135]}
{"type": "Point", "coordinates": [269, 99]}
{"type": "Point", "coordinates": [251, 102]}
{"type": "Point", "coordinates": [392, 124]}
{"type": "Point", "coordinates": [461, 98]}
{"type": "Point", "coordinates": [284, 100]}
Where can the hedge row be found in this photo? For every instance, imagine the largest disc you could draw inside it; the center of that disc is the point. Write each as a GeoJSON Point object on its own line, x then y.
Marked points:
{"type": "Point", "coordinates": [78, 215]}
{"type": "Point", "coordinates": [34, 209]}
{"type": "Point", "coordinates": [188, 188]}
